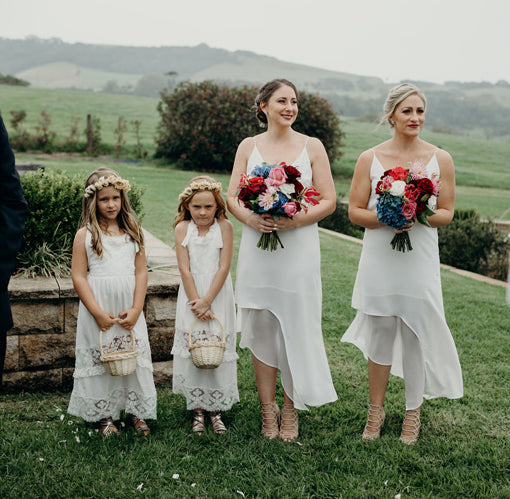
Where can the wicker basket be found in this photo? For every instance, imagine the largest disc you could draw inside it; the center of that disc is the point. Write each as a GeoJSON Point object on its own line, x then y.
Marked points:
{"type": "Point", "coordinates": [207, 354]}
{"type": "Point", "coordinates": [120, 363]}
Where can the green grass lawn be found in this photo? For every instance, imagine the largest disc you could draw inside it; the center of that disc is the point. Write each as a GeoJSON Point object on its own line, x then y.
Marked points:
{"type": "Point", "coordinates": [463, 451]}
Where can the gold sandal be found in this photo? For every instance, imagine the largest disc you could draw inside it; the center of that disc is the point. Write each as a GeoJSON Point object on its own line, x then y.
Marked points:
{"type": "Point", "coordinates": [289, 428]}
{"type": "Point", "coordinates": [411, 427]}
{"type": "Point", "coordinates": [198, 425]}
{"type": "Point", "coordinates": [108, 428]}
{"type": "Point", "coordinates": [140, 426]}
{"type": "Point", "coordinates": [375, 421]}
{"type": "Point", "coordinates": [270, 419]}
{"type": "Point", "coordinates": [218, 425]}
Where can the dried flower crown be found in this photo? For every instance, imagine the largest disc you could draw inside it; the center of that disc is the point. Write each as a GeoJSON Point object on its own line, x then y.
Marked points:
{"type": "Point", "coordinates": [199, 185]}
{"type": "Point", "coordinates": [117, 182]}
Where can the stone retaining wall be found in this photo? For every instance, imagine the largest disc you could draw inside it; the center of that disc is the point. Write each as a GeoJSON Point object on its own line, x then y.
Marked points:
{"type": "Point", "coordinates": [40, 346]}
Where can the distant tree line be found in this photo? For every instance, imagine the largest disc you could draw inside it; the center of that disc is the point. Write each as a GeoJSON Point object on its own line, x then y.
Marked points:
{"type": "Point", "coordinates": [12, 80]}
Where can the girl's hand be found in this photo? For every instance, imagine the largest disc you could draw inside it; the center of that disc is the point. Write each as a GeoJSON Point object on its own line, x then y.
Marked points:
{"type": "Point", "coordinates": [104, 320]}
{"type": "Point", "coordinates": [128, 318]}
{"type": "Point", "coordinates": [208, 316]}
{"type": "Point", "coordinates": [200, 307]}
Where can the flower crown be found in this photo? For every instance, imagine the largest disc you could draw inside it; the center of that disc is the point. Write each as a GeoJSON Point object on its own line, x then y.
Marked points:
{"type": "Point", "coordinates": [199, 185]}
{"type": "Point", "coordinates": [117, 182]}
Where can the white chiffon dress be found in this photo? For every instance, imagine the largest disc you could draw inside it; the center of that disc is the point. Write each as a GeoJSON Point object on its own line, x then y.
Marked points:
{"type": "Point", "coordinates": [96, 394]}
{"type": "Point", "coordinates": [279, 298]}
{"type": "Point", "coordinates": [207, 389]}
{"type": "Point", "coordinates": [406, 286]}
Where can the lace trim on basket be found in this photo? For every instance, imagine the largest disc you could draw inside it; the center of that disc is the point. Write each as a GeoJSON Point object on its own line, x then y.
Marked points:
{"type": "Point", "coordinates": [132, 402]}
{"type": "Point", "coordinates": [209, 400]}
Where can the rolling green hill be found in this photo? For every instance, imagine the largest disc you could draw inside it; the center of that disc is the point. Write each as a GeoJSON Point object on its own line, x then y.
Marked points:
{"type": "Point", "coordinates": [477, 109]}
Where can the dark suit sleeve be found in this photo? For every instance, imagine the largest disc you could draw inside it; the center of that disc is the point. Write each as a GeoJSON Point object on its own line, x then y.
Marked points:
{"type": "Point", "coordinates": [13, 210]}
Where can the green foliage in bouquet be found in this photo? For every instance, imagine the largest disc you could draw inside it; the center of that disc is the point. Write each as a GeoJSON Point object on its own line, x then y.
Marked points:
{"type": "Point", "coordinates": [54, 212]}
{"type": "Point", "coordinates": [202, 124]}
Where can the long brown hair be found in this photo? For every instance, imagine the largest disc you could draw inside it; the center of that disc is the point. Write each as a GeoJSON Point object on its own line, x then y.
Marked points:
{"type": "Point", "coordinates": [127, 219]}
{"type": "Point", "coordinates": [200, 184]}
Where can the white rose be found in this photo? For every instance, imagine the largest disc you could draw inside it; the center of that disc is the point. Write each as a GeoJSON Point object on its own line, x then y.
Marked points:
{"type": "Point", "coordinates": [432, 202]}
{"type": "Point", "coordinates": [398, 188]}
{"type": "Point", "coordinates": [287, 189]}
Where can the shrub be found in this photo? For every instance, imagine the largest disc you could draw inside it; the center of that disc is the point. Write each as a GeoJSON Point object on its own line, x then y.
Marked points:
{"type": "Point", "coordinates": [202, 124]}
{"type": "Point", "coordinates": [316, 118]}
{"type": "Point", "coordinates": [472, 244]}
{"type": "Point", "coordinates": [339, 221]}
{"type": "Point", "coordinates": [54, 204]}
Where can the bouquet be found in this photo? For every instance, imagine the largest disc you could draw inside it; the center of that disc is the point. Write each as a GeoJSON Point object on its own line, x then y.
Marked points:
{"type": "Point", "coordinates": [406, 196]}
{"type": "Point", "coordinates": [275, 190]}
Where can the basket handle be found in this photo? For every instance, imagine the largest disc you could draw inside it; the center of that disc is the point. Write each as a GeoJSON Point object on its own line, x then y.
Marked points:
{"type": "Point", "coordinates": [197, 319]}
{"type": "Point", "coordinates": [127, 351]}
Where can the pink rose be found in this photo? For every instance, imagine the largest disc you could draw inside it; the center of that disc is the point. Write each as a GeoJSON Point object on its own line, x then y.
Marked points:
{"type": "Point", "coordinates": [290, 209]}
{"type": "Point", "coordinates": [277, 176]}
{"type": "Point", "coordinates": [409, 210]}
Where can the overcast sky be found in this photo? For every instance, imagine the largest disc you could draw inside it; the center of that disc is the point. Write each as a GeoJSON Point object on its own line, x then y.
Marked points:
{"type": "Point", "coordinates": [433, 40]}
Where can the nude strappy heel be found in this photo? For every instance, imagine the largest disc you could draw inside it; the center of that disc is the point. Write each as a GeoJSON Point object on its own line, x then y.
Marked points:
{"type": "Point", "coordinates": [270, 419]}
{"type": "Point", "coordinates": [375, 421]}
{"type": "Point", "coordinates": [411, 427]}
{"type": "Point", "coordinates": [289, 427]}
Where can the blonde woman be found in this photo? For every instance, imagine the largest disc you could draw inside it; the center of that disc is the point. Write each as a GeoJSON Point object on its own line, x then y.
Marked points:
{"type": "Point", "coordinates": [400, 324]}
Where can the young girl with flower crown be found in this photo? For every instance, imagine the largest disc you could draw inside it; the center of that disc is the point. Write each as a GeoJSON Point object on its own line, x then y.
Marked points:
{"type": "Point", "coordinates": [204, 247]}
{"type": "Point", "coordinates": [110, 246]}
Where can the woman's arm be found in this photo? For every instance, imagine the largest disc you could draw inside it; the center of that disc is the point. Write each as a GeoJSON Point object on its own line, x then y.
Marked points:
{"type": "Point", "coordinates": [257, 222]}
{"type": "Point", "coordinates": [129, 317]}
{"type": "Point", "coordinates": [443, 215]}
{"type": "Point", "coordinates": [359, 194]}
{"type": "Point", "coordinates": [202, 305]}
{"type": "Point", "coordinates": [79, 267]}
{"type": "Point", "coordinates": [322, 180]}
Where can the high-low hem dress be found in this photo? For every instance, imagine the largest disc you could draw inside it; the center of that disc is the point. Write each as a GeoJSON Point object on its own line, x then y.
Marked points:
{"type": "Point", "coordinates": [208, 389]}
{"type": "Point", "coordinates": [96, 394]}
{"type": "Point", "coordinates": [279, 298]}
{"type": "Point", "coordinates": [407, 286]}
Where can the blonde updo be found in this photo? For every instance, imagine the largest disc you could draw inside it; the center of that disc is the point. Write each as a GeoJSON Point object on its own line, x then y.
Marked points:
{"type": "Point", "coordinates": [396, 95]}
{"type": "Point", "coordinates": [265, 93]}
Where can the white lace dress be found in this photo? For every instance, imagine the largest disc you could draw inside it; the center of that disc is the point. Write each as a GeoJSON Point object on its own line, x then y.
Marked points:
{"type": "Point", "coordinates": [96, 394]}
{"type": "Point", "coordinates": [207, 389]}
{"type": "Point", "coordinates": [279, 298]}
{"type": "Point", "coordinates": [406, 286]}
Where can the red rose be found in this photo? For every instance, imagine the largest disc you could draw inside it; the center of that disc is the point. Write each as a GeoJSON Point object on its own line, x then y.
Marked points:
{"type": "Point", "coordinates": [256, 185]}
{"type": "Point", "coordinates": [298, 186]}
{"type": "Point", "coordinates": [411, 193]}
{"type": "Point", "coordinates": [425, 185]}
{"type": "Point", "coordinates": [292, 172]}
{"type": "Point", "coordinates": [398, 173]}
{"type": "Point", "coordinates": [420, 207]}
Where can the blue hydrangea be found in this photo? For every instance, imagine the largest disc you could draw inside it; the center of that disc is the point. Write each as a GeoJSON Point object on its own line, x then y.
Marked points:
{"type": "Point", "coordinates": [389, 211]}
{"type": "Point", "coordinates": [261, 170]}
{"type": "Point", "coordinates": [278, 206]}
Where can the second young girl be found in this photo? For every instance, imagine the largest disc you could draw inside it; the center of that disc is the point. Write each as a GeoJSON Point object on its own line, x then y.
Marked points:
{"type": "Point", "coordinates": [110, 246]}
{"type": "Point", "coordinates": [204, 247]}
